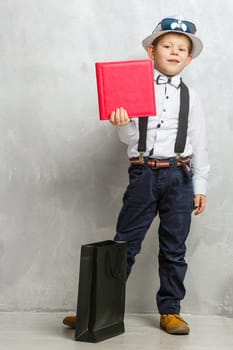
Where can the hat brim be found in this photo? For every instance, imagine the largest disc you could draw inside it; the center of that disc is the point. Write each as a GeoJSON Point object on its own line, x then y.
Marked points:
{"type": "Point", "coordinates": [197, 43]}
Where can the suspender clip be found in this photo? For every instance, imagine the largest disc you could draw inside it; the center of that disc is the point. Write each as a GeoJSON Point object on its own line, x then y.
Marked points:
{"type": "Point", "coordinates": [141, 156]}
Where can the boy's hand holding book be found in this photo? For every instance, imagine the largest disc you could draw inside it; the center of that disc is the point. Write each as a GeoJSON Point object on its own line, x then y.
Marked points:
{"type": "Point", "coordinates": [119, 117]}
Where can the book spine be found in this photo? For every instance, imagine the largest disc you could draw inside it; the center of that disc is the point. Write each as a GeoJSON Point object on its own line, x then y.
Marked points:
{"type": "Point", "coordinates": [100, 91]}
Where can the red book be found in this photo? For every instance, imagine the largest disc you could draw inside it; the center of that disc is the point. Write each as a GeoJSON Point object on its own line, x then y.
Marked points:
{"type": "Point", "coordinates": [128, 84]}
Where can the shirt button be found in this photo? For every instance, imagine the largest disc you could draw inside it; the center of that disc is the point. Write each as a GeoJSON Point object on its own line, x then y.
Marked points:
{"type": "Point", "coordinates": [167, 97]}
{"type": "Point", "coordinates": [164, 110]}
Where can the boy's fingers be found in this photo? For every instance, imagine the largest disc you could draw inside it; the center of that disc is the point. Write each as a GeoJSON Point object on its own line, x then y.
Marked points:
{"type": "Point", "coordinates": [199, 204]}
{"type": "Point", "coordinates": [122, 115]}
{"type": "Point", "coordinates": [119, 117]}
{"type": "Point", "coordinates": [112, 117]}
{"type": "Point", "coordinates": [115, 117]}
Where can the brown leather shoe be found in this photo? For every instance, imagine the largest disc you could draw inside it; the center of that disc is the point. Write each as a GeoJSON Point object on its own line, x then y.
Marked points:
{"type": "Point", "coordinates": [70, 321]}
{"type": "Point", "coordinates": [174, 324]}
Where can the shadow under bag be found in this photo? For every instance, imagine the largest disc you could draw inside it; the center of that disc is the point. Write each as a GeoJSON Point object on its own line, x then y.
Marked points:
{"type": "Point", "coordinates": [101, 291]}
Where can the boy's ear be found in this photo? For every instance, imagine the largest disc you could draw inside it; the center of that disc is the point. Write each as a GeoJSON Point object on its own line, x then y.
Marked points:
{"type": "Point", "coordinates": [189, 59]}
{"type": "Point", "coordinates": [150, 51]}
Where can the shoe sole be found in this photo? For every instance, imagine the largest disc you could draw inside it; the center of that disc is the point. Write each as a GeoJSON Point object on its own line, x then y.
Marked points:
{"type": "Point", "coordinates": [69, 324]}
{"type": "Point", "coordinates": [176, 330]}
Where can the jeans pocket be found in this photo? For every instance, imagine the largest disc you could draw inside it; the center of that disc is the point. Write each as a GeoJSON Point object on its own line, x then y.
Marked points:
{"type": "Point", "coordinates": [135, 171]}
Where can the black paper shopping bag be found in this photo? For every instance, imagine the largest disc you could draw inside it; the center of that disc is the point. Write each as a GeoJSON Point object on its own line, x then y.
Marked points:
{"type": "Point", "coordinates": [101, 291]}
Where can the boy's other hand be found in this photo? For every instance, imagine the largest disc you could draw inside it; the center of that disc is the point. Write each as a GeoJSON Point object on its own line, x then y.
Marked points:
{"type": "Point", "coordinates": [199, 203]}
{"type": "Point", "coordinates": [119, 117]}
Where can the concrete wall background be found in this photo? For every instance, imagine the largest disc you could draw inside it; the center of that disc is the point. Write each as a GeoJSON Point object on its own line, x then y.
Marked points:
{"type": "Point", "coordinates": [63, 172]}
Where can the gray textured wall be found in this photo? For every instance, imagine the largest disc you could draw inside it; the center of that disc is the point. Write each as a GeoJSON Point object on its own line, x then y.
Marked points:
{"type": "Point", "coordinates": [63, 172]}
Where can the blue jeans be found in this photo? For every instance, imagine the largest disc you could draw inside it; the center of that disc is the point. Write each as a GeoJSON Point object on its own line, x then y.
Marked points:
{"type": "Point", "coordinates": [168, 192]}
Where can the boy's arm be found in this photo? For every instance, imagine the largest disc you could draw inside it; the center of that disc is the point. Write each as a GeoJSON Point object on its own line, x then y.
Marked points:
{"type": "Point", "coordinates": [200, 163]}
{"type": "Point", "coordinates": [128, 129]}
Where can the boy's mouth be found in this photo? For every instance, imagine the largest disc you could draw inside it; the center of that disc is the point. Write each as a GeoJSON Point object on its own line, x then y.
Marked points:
{"type": "Point", "coordinates": [173, 61]}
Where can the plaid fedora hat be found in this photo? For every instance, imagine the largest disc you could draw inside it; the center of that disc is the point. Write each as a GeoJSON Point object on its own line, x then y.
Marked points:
{"type": "Point", "coordinates": [177, 25]}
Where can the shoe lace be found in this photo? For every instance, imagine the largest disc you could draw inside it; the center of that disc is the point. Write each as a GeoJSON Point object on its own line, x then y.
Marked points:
{"type": "Point", "coordinates": [178, 317]}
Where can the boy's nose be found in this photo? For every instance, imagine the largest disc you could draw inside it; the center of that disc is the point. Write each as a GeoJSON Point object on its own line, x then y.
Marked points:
{"type": "Point", "coordinates": [174, 51]}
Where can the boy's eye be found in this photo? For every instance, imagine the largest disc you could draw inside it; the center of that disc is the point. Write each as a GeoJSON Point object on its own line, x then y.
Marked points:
{"type": "Point", "coordinates": [183, 49]}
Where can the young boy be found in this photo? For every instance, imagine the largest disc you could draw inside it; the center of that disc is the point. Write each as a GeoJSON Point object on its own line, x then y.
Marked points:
{"type": "Point", "coordinates": [165, 180]}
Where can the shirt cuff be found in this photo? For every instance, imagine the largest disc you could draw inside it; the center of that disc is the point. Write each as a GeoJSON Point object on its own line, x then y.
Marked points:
{"type": "Point", "coordinates": [200, 186]}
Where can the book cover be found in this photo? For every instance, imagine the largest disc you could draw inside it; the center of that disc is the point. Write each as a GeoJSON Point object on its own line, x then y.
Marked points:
{"type": "Point", "coordinates": [127, 84]}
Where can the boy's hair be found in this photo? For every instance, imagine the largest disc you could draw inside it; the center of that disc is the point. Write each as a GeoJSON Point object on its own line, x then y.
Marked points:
{"type": "Point", "coordinates": [157, 40]}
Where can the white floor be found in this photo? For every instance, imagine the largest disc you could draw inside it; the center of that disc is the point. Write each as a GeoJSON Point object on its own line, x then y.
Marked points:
{"type": "Point", "coordinates": [34, 331]}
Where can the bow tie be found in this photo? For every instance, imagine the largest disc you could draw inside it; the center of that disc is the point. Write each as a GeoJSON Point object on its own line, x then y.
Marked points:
{"type": "Point", "coordinates": [174, 81]}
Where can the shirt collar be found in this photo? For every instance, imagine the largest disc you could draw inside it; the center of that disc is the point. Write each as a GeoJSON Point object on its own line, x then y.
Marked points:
{"type": "Point", "coordinates": [157, 73]}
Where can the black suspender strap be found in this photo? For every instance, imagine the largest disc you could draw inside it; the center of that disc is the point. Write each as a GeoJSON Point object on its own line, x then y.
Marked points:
{"type": "Point", "coordinates": [142, 125]}
{"type": "Point", "coordinates": [183, 119]}
{"type": "Point", "coordinates": [182, 124]}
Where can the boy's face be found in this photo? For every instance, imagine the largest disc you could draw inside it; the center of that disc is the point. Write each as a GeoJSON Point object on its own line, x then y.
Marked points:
{"type": "Point", "coordinates": [171, 54]}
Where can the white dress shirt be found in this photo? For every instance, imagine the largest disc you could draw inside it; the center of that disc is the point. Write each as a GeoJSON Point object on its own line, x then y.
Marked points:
{"type": "Point", "coordinates": [162, 132]}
